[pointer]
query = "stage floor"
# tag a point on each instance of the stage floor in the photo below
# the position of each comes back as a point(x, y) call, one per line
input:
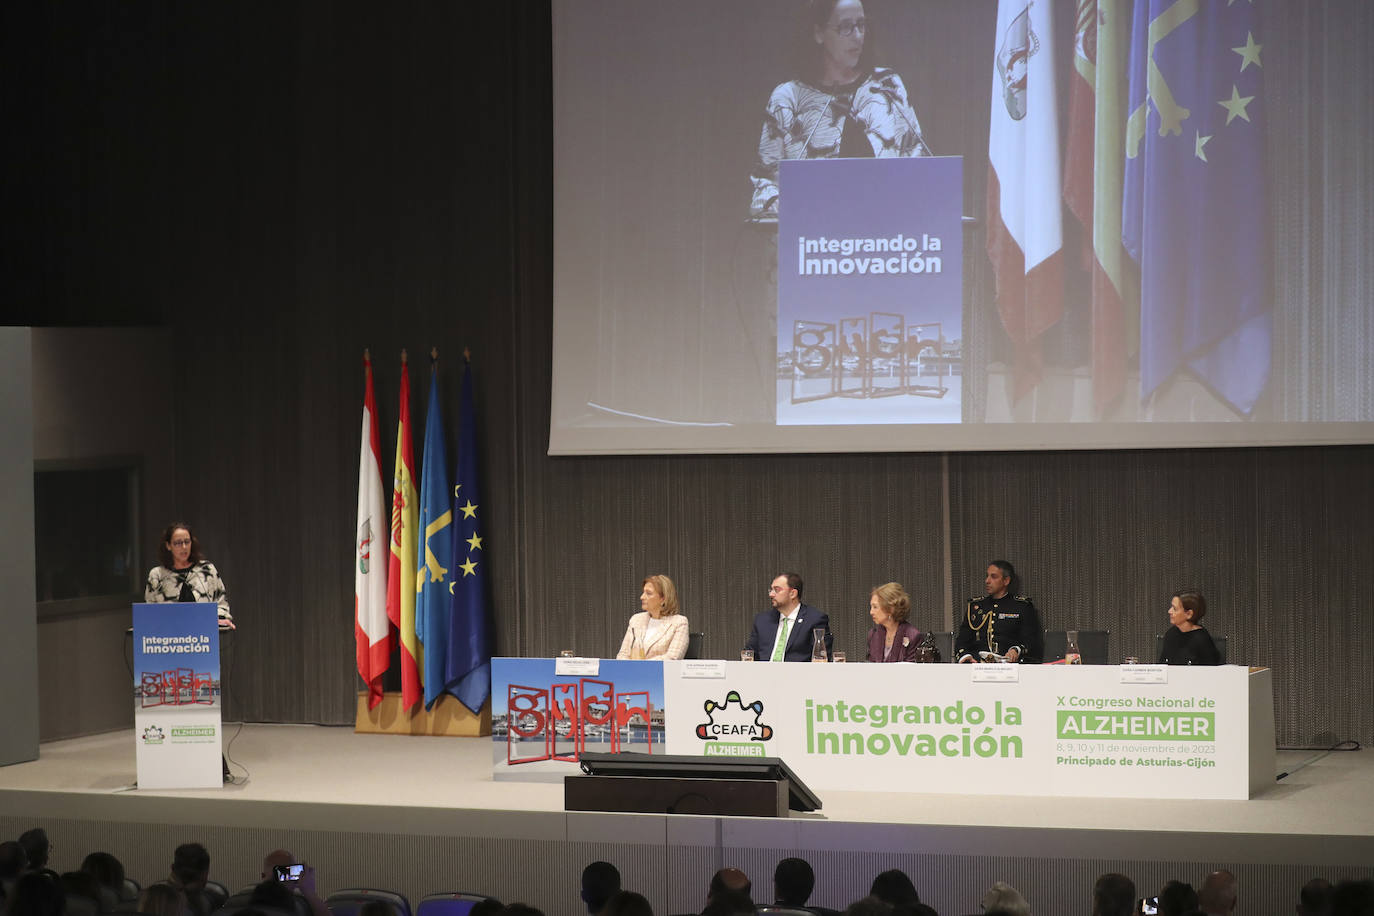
point(310, 782)
point(330, 766)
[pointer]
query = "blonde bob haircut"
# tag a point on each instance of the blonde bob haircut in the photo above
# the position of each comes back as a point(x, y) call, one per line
point(664, 586)
point(894, 600)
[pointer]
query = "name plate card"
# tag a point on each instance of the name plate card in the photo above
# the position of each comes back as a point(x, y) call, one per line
point(1144, 674)
point(577, 667)
point(702, 668)
point(996, 674)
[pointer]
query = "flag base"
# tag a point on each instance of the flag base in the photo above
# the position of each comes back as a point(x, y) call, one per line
point(447, 718)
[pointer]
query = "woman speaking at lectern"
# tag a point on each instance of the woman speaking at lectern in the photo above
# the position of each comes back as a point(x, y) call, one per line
point(185, 574)
point(658, 630)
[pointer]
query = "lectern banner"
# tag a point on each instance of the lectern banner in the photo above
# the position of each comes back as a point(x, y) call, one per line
point(870, 291)
point(177, 696)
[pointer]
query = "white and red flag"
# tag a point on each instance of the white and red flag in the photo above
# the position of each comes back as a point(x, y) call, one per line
point(370, 624)
point(1025, 225)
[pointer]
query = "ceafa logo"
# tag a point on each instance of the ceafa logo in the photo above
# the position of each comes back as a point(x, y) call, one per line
point(153, 735)
point(732, 728)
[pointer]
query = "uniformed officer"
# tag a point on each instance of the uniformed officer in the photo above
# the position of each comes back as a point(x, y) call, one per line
point(1001, 622)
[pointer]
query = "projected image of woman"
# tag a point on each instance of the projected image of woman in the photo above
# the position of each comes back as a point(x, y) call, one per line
point(841, 105)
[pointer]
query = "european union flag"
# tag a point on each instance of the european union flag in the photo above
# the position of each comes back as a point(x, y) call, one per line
point(1195, 217)
point(467, 672)
point(433, 597)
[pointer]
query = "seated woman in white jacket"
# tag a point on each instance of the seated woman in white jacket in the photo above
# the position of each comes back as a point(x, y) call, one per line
point(657, 631)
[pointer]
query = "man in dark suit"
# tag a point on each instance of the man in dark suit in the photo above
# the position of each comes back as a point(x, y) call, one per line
point(785, 633)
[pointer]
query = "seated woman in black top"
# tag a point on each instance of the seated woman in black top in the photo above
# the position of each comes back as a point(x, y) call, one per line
point(1188, 642)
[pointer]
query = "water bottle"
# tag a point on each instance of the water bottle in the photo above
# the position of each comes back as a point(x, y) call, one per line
point(1071, 656)
point(818, 653)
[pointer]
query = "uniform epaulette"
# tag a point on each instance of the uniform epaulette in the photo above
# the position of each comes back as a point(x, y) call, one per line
point(1023, 598)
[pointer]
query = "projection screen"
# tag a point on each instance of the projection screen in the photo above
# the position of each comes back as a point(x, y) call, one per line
point(935, 225)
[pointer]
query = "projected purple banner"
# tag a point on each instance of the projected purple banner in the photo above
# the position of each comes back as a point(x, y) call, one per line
point(870, 291)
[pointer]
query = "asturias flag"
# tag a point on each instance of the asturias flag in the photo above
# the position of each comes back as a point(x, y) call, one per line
point(433, 598)
point(467, 671)
point(1195, 217)
point(1025, 226)
point(400, 595)
point(370, 625)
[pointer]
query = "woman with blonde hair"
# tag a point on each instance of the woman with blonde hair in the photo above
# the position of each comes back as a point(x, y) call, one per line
point(658, 630)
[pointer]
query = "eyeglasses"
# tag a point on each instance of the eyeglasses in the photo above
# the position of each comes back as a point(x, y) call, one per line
point(184, 542)
point(847, 27)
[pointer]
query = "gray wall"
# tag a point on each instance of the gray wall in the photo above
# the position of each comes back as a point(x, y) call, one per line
point(101, 393)
point(19, 647)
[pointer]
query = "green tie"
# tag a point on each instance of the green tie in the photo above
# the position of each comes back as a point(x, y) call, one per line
point(781, 646)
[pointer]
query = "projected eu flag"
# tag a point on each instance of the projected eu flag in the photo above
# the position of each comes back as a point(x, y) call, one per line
point(1194, 216)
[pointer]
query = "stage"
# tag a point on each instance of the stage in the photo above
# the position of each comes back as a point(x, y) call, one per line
point(423, 815)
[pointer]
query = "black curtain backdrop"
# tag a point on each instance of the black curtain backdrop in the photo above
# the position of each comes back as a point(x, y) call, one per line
point(286, 184)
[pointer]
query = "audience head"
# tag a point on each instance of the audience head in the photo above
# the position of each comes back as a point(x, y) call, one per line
point(273, 859)
point(106, 869)
point(489, 907)
point(1113, 895)
point(729, 903)
point(520, 909)
point(1218, 894)
point(81, 884)
point(13, 860)
point(870, 906)
point(628, 903)
point(1315, 898)
point(1353, 898)
point(600, 882)
point(273, 893)
point(923, 909)
point(1177, 898)
point(1004, 898)
point(730, 881)
point(36, 894)
point(162, 899)
point(793, 881)
point(382, 908)
point(191, 865)
point(36, 846)
point(895, 887)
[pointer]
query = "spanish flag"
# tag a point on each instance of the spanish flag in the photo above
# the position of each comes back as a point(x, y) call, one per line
point(400, 594)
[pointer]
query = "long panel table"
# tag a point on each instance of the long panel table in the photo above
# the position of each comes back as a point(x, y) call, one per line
point(1073, 731)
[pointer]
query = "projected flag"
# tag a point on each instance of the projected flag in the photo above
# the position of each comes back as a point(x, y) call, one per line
point(1024, 210)
point(1195, 214)
point(1092, 184)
